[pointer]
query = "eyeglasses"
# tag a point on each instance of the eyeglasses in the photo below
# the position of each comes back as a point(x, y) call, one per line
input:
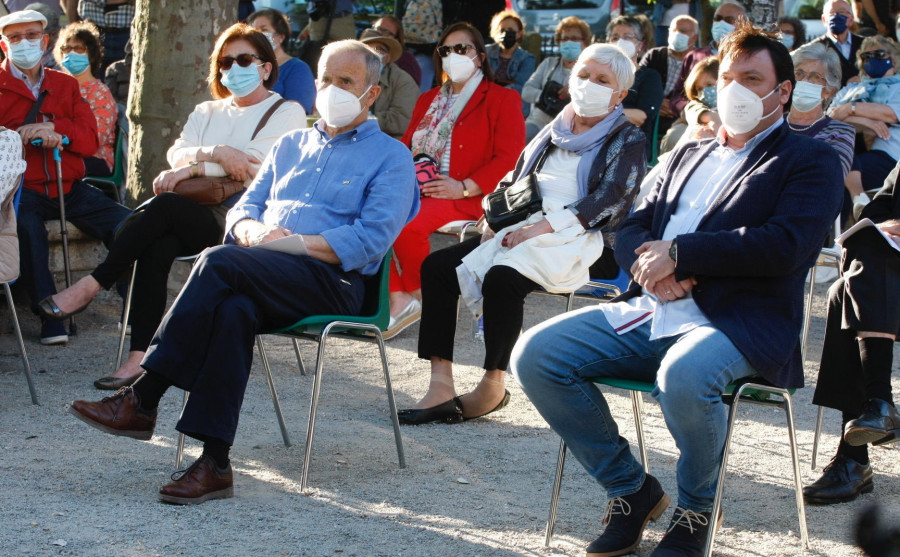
point(730, 19)
point(381, 49)
point(576, 38)
point(243, 60)
point(80, 49)
point(877, 54)
point(812, 77)
point(616, 37)
point(31, 36)
point(460, 49)
point(384, 32)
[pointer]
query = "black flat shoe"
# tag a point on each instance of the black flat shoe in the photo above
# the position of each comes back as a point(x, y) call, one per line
point(50, 310)
point(449, 412)
point(842, 480)
point(500, 406)
point(111, 383)
point(878, 424)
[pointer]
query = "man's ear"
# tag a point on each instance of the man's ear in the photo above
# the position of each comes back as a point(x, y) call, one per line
point(372, 95)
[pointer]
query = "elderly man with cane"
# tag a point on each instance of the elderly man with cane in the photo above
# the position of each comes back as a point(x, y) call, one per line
point(45, 106)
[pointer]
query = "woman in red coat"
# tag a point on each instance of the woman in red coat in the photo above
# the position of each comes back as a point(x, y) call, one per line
point(473, 130)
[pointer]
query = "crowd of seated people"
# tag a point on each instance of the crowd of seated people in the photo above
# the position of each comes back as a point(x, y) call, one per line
point(822, 118)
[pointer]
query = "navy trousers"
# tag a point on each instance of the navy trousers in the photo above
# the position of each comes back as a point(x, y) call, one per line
point(86, 207)
point(204, 344)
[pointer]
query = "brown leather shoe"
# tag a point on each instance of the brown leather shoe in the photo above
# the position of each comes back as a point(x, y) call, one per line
point(200, 482)
point(118, 414)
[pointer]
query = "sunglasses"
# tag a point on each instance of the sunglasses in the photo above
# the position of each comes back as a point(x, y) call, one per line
point(731, 20)
point(243, 60)
point(877, 54)
point(67, 49)
point(460, 49)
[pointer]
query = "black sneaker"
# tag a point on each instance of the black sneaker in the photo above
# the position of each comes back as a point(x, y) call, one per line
point(686, 536)
point(626, 517)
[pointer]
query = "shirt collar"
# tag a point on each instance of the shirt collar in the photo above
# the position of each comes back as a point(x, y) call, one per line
point(21, 75)
point(753, 141)
point(361, 131)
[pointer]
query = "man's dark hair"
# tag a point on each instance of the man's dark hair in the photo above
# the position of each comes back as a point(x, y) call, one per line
point(747, 40)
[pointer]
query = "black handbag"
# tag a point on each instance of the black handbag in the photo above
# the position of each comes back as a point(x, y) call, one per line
point(549, 101)
point(512, 203)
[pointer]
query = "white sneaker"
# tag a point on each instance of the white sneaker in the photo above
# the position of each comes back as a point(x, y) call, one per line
point(410, 314)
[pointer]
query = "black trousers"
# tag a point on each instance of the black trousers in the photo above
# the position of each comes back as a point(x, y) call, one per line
point(504, 292)
point(866, 297)
point(169, 226)
point(204, 344)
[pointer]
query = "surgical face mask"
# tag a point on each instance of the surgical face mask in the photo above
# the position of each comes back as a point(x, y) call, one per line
point(271, 37)
point(787, 40)
point(241, 81)
point(459, 68)
point(627, 46)
point(589, 99)
point(337, 106)
point(709, 96)
point(25, 54)
point(807, 96)
point(720, 29)
point(570, 50)
point(837, 23)
point(75, 63)
point(508, 39)
point(678, 41)
point(741, 109)
point(877, 68)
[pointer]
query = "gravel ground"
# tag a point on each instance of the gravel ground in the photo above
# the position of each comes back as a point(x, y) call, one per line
point(480, 488)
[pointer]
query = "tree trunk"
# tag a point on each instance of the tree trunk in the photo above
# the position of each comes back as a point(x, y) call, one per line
point(172, 42)
point(763, 13)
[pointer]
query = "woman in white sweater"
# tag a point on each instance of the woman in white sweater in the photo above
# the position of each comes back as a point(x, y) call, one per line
point(229, 136)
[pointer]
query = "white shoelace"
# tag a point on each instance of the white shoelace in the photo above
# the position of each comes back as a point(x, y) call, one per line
point(616, 505)
point(687, 518)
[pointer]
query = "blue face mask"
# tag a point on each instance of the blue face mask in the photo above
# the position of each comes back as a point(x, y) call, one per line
point(241, 81)
point(75, 63)
point(570, 50)
point(25, 54)
point(837, 23)
point(787, 41)
point(720, 29)
point(877, 68)
point(709, 95)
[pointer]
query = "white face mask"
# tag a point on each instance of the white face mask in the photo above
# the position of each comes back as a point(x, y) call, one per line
point(589, 99)
point(741, 109)
point(459, 68)
point(338, 107)
point(678, 41)
point(627, 46)
point(271, 37)
point(807, 96)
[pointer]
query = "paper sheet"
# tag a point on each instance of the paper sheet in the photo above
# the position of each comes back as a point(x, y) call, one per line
point(292, 244)
point(865, 223)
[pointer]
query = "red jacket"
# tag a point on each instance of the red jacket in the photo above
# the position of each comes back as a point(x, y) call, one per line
point(487, 138)
point(71, 116)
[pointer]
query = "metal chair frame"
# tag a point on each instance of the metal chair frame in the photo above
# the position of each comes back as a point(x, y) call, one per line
point(744, 390)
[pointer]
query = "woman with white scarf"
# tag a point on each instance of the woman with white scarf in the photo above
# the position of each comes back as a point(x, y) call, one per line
point(588, 163)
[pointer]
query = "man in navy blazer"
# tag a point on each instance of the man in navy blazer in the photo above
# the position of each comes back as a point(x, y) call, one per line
point(718, 251)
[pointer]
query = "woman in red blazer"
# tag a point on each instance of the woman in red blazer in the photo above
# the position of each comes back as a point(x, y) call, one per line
point(473, 129)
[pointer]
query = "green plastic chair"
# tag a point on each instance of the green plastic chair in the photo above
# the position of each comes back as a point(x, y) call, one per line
point(369, 326)
point(112, 185)
point(752, 390)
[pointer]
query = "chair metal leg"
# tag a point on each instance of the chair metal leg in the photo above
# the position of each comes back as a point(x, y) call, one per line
point(798, 481)
point(179, 447)
point(125, 317)
point(395, 421)
point(299, 356)
point(820, 415)
point(554, 495)
point(720, 484)
point(21, 341)
point(313, 406)
point(804, 335)
point(271, 382)
point(637, 404)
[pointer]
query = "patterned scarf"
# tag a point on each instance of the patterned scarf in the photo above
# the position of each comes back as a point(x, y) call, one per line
point(432, 135)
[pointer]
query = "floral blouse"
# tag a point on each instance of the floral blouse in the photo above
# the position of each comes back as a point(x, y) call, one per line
point(103, 105)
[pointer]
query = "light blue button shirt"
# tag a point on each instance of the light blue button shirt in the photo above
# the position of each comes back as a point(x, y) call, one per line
point(358, 190)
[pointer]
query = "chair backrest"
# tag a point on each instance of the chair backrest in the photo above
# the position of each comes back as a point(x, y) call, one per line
point(376, 301)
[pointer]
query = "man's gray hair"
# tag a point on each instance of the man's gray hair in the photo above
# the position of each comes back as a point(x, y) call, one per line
point(372, 59)
point(678, 19)
point(733, 3)
point(610, 55)
point(818, 52)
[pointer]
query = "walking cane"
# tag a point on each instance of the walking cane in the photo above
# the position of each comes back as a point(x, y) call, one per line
point(63, 229)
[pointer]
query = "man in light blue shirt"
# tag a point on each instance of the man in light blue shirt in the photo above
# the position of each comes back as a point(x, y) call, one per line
point(339, 193)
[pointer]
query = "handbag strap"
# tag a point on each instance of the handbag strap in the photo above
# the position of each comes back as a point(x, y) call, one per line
point(32, 114)
point(265, 119)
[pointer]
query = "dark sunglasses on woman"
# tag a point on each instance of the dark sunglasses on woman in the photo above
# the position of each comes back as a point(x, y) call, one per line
point(243, 60)
point(460, 49)
point(877, 54)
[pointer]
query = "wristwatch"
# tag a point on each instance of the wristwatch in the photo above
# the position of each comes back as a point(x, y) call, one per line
point(465, 189)
point(195, 169)
point(673, 251)
point(853, 108)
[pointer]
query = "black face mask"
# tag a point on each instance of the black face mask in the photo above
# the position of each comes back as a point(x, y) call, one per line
point(509, 38)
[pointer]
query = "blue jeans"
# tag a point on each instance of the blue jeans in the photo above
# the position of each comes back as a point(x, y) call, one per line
point(556, 360)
